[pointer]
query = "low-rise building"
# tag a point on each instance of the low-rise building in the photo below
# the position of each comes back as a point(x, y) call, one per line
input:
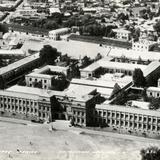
point(44, 75)
point(143, 45)
point(122, 34)
point(55, 34)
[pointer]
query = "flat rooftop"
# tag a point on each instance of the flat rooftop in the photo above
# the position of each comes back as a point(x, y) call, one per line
point(18, 63)
point(113, 65)
point(132, 110)
point(134, 55)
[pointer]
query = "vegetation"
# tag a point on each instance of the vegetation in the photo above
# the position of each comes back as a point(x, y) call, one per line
point(116, 89)
point(59, 82)
point(48, 54)
point(150, 153)
point(138, 78)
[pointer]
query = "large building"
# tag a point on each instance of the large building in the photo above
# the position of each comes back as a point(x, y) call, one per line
point(128, 119)
point(27, 103)
point(19, 68)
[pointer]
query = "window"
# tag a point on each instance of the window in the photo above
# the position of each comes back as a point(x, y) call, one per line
point(30, 79)
point(130, 124)
point(122, 115)
point(108, 114)
point(131, 117)
point(122, 123)
point(140, 118)
point(45, 81)
point(104, 113)
point(126, 116)
point(113, 121)
point(140, 125)
point(117, 115)
point(113, 114)
point(117, 122)
point(82, 120)
point(154, 128)
point(154, 120)
point(144, 126)
point(126, 123)
point(145, 119)
point(150, 93)
point(135, 124)
point(149, 126)
point(149, 119)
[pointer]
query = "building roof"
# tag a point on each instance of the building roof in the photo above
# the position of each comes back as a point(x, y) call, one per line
point(60, 30)
point(94, 83)
point(120, 30)
point(132, 110)
point(134, 55)
point(113, 65)
point(36, 75)
point(19, 63)
point(51, 68)
point(12, 52)
point(151, 68)
point(32, 91)
point(154, 89)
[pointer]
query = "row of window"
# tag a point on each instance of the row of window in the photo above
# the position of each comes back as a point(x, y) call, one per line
point(140, 46)
point(128, 124)
point(78, 113)
point(36, 80)
point(127, 116)
point(151, 94)
point(20, 101)
point(79, 120)
point(16, 108)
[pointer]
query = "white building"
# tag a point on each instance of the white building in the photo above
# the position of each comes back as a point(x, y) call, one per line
point(142, 45)
point(55, 34)
point(122, 34)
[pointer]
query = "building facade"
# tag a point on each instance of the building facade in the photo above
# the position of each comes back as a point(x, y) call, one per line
point(55, 34)
point(122, 34)
point(44, 76)
point(128, 120)
point(19, 102)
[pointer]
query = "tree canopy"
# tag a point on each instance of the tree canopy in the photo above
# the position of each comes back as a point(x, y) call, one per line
point(150, 153)
point(48, 54)
point(138, 78)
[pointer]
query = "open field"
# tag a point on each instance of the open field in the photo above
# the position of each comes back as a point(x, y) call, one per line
point(36, 142)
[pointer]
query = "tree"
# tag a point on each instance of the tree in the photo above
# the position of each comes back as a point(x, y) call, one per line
point(150, 153)
point(138, 78)
point(37, 84)
point(98, 57)
point(86, 61)
point(116, 89)
point(48, 54)
point(157, 27)
point(154, 103)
